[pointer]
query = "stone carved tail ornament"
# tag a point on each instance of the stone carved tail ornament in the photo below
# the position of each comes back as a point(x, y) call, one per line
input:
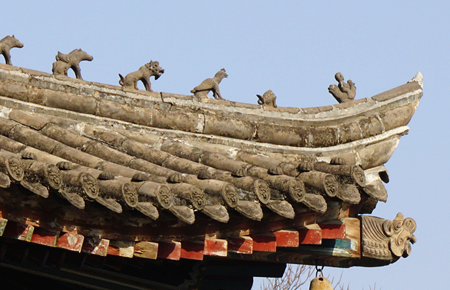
point(387, 240)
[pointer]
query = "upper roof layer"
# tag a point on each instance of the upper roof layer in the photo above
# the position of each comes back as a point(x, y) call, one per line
point(123, 164)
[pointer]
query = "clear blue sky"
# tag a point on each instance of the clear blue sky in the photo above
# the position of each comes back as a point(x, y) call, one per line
point(294, 49)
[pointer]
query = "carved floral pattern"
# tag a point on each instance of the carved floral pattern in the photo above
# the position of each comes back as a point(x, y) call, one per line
point(198, 198)
point(230, 195)
point(358, 175)
point(130, 194)
point(89, 185)
point(165, 198)
point(54, 177)
point(15, 168)
point(262, 190)
point(330, 185)
point(296, 190)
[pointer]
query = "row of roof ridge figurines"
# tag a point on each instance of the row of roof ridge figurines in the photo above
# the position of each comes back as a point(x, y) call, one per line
point(343, 92)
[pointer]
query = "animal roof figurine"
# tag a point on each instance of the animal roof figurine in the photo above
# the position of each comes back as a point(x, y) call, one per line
point(6, 44)
point(71, 60)
point(343, 92)
point(210, 84)
point(268, 98)
point(143, 74)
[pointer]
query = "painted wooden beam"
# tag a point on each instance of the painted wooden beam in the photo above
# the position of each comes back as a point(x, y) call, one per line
point(3, 223)
point(264, 243)
point(346, 244)
point(310, 235)
point(95, 246)
point(18, 231)
point(121, 248)
point(342, 252)
point(45, 237)
point(170, 250)
point(333, 230)
point(146, 250)
point(353, 232)
point(240, 245)
point(216, 247)
point(192, 250)
point(71, 242)
point(285, 238)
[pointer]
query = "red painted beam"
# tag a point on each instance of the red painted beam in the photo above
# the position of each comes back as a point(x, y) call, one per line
point(71, 242)
point(216, 247)
point(264, 243)
point(18, 231)
point(95, 246)
point(121, 248)
point(240, 245)
point(45, 237)
point(170, 250)
point(285, 238)
point(310, 235)
point(192, 250)
point(333, 230)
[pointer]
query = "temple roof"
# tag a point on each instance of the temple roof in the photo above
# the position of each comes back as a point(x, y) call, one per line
point(125, 169)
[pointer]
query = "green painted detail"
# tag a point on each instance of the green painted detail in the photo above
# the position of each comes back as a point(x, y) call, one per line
point(55, 241)
point(3, 223)
point(29, 234)
point(346, 244)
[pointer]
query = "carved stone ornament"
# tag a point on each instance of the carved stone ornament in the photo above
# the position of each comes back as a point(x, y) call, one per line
point(6, 44)
point(201, 91)
point(71, 60)
point(143, 74)
point(388, 240)
point(343, 92)
point(268, 99)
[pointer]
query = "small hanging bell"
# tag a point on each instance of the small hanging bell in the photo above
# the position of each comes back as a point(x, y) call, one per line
point(320, 283)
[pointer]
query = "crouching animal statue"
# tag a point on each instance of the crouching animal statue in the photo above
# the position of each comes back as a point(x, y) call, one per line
point(71, 60)
point(343, 92)
point(6, 43)
point(210, 84)
point(142, 74)
point(268, 99)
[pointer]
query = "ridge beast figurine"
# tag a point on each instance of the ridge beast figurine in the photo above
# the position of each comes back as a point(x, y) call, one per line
point(71, 60)
point(268, 98)
point(343, 92)
point(210, 84)
point(6, 43)
point(142, 74)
